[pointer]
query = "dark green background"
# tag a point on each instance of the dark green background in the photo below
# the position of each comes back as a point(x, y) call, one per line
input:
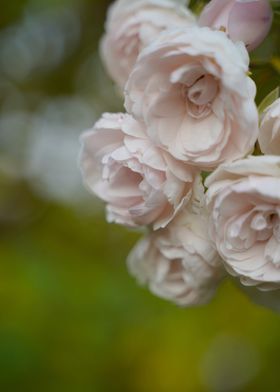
point(71, 318)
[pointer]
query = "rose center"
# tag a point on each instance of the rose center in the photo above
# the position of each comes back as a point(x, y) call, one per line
point(200, 96)
point(266, 225)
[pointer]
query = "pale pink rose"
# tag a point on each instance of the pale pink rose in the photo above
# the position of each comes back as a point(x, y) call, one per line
point(141, 184)
point(133, 24)
point(244, 201)
point(243, 20)
point(179, 263)
point(191, 89)
point(269, 136)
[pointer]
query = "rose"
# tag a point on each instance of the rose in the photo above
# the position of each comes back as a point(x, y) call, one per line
point(141, 184)
point(243, 20)
point(179, 263)
point(244, 200)
point(132, 25)
point(269, 136)
point(191, 89)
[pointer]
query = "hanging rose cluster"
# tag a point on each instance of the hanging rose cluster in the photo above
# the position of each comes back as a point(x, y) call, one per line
point(181, 161)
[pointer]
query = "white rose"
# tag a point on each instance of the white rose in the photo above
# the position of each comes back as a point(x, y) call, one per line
point(179, 263)
point(133, 24)
point(269, 136)
point(244, 201)
point(141, 184)
point(191, 88)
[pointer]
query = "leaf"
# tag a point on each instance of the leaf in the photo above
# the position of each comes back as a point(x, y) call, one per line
point(276, 63)
point(276, 17)
point(268, 100)
point(197, 6)
point(204, 176)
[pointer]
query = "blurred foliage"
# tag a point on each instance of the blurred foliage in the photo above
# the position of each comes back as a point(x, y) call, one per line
point(71, 318)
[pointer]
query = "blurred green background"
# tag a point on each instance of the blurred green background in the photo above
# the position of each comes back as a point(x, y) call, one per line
point(71, 318)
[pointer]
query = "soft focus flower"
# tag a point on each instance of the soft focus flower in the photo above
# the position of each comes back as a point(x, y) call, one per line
point(269, 136)
point(191, 89)
point(141, 184)
point(244, 201)
point(179, 263)
point(132, 25)
point(243, 20)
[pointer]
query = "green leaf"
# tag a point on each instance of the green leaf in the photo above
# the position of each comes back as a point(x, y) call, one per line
point(204, 176)
point(275, 62)
point(197, 6)
point(268, 100)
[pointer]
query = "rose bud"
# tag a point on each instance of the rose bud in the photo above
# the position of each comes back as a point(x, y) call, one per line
point(243, 20)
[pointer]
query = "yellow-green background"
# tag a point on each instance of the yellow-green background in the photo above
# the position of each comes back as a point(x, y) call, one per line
point(71, 318)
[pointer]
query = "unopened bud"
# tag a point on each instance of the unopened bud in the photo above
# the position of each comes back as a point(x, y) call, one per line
point(243, 20)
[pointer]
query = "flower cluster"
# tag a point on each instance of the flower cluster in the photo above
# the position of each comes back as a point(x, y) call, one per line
point(190, 115)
